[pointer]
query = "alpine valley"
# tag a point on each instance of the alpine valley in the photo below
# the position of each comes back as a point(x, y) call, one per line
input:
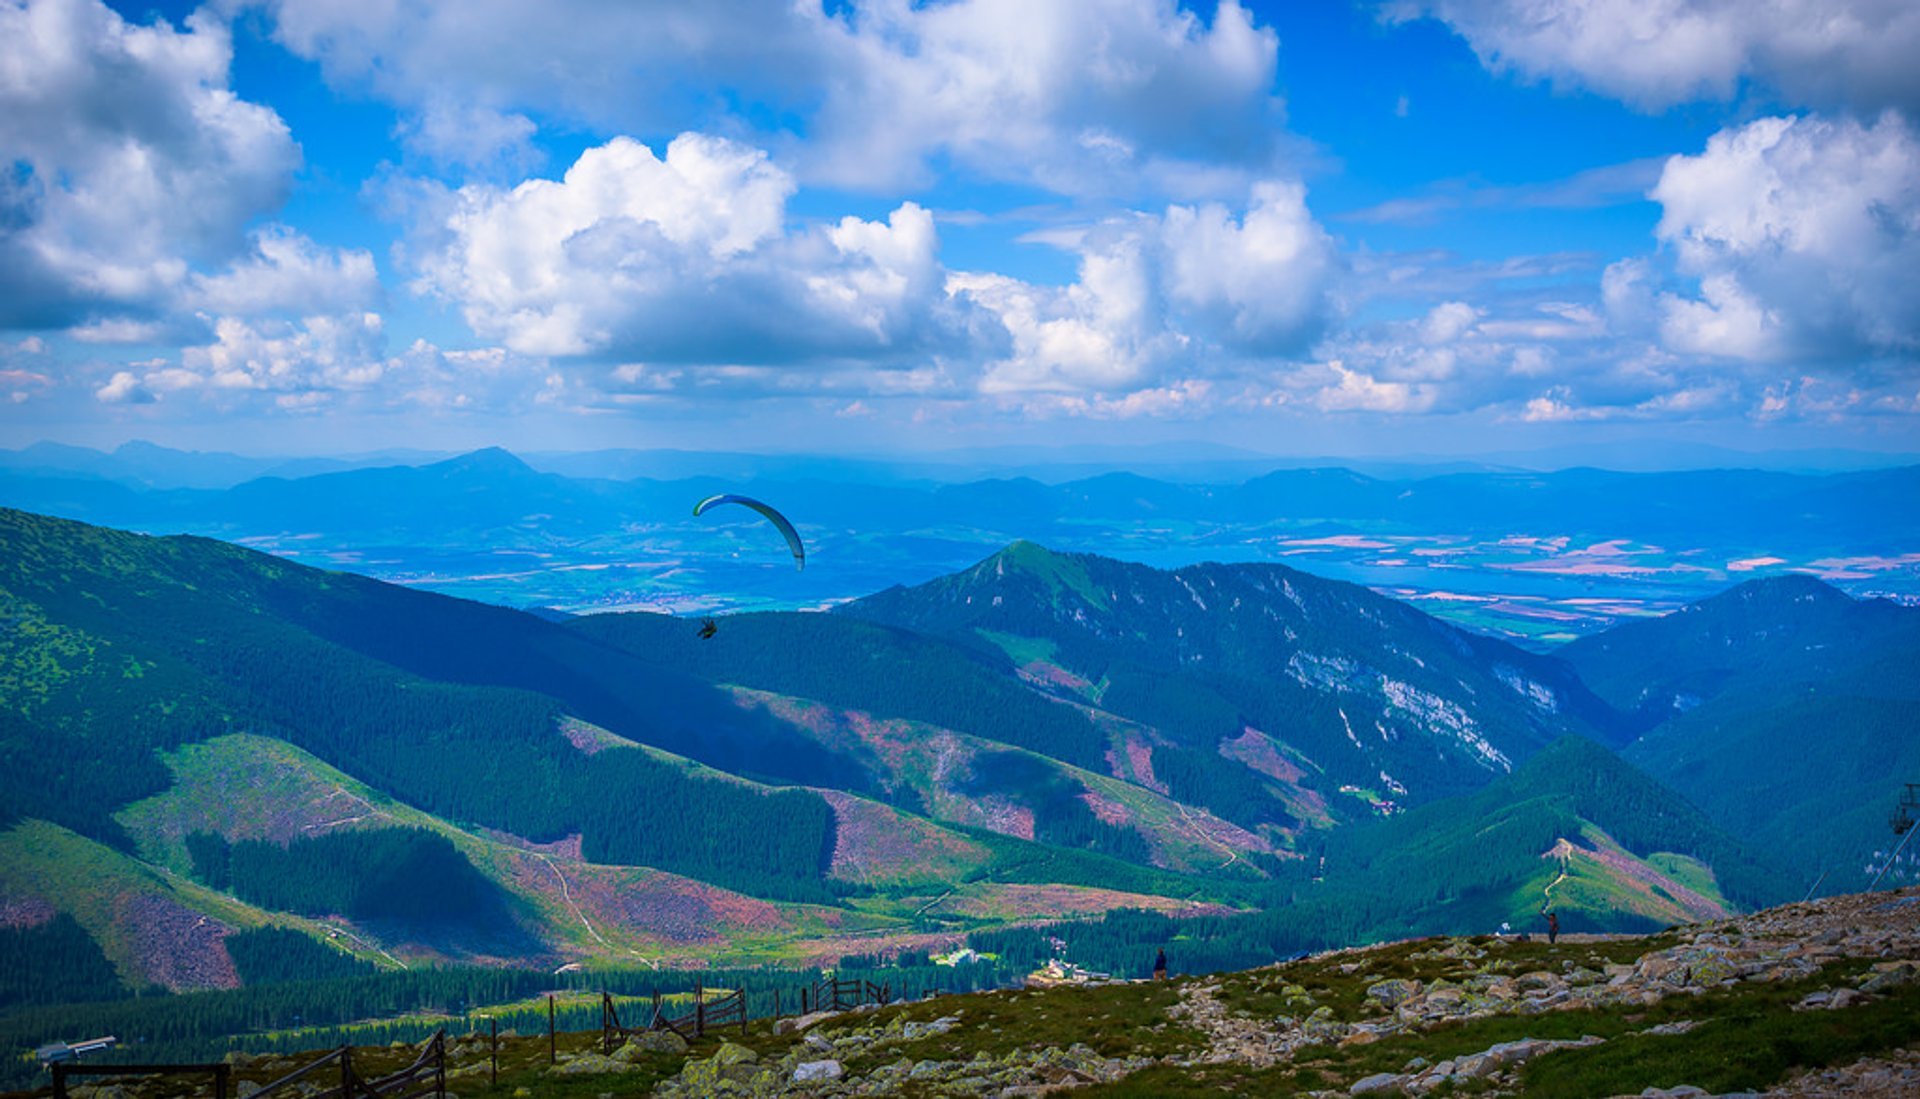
point(281, 799)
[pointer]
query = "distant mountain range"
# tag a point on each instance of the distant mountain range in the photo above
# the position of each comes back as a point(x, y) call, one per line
point(151, 465)
point(196, 738)
point(1536, 557)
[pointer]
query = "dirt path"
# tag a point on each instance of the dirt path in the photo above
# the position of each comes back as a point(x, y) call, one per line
point(566, 894)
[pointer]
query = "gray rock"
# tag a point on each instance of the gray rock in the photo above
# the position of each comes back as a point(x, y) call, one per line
point(654, 1041)
point(589, 1064)
point(1393, 993)
point(1377, 1084)
point(809, 1071)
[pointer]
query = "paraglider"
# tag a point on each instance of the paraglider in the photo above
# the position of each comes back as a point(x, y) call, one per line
point(708, 627)
point(774, 517)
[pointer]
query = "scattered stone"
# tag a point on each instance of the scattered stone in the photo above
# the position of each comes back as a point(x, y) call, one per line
point(658, 1041)
point(589, 1064)
point(1393, 993)
point(810, 1071)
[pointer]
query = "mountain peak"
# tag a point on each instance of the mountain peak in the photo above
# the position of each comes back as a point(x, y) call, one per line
point(490, 460)
point(1792, 587)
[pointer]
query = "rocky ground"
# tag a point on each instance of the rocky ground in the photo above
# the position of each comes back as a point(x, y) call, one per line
point(1803, 1001)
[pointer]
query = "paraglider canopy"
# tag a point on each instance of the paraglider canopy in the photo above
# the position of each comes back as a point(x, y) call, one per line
point(774, 517)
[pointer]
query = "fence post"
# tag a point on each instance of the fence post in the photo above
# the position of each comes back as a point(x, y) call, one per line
point(493, 1054)
point(743, 1010)
point(776, 1005)
point(553, 1051)
point(59, 1082)
point(346, 1072)
point(699, 1010)
point(440, 1065)
point(220, 1081)
point(804, 1009)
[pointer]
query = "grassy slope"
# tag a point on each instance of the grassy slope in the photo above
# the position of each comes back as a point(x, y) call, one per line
point(115, 897)
point(933, 764)
point(250, 787)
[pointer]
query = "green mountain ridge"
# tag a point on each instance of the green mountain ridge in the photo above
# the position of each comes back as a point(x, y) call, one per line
point(1784, 708)
point(1040, 736)
point(1369, 689)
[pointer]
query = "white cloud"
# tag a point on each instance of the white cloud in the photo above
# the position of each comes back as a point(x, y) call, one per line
point(1261, 282)
point(317, 354)
point(1804, 235)
point(330, 363)
point(687, 258)
point(123, 388)
point(1353, 391)
point(132, 159)
point(1656, 53)
point(285, 271)
point(1076, 95)
point(1159, 297)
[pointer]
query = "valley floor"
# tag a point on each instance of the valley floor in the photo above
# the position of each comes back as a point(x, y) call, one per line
point(1807, 1000)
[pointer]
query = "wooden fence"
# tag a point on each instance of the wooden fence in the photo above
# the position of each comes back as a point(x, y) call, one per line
point(712, 1009)
point(833, 994)
point(427, 1075)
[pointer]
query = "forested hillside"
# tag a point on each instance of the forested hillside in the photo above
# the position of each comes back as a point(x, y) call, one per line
point(1785, 709)
point(207, 750)
point(1372, 692)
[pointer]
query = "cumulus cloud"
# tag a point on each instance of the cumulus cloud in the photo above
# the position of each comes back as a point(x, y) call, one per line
point(687, 258)
point(131, 160)
point(123, 388)
point(1656, 53)
point(1077, 95)
point(330, 363)
point(1803, 234)
point(1159, 297)
point(285, 271)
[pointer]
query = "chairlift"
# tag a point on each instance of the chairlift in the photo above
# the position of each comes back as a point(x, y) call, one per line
point(1907, 811)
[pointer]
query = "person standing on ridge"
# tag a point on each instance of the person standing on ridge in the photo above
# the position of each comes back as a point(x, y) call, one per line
point(1553, 927)
point(1160, 966)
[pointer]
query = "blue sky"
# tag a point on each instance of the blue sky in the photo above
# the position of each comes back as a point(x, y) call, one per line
point(1330, 228)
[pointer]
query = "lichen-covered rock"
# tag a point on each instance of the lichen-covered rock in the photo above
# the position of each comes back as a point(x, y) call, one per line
point(807, 1072)
point(588, 1064)
point(1392, 993)
point(653, 1041)
point(1380, 1083)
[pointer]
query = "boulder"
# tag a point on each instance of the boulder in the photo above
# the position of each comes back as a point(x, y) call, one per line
point(1378, 1084)
point(800, 1022)
point(652, 1041)
point(588, 1064)
point(1392, 993)
point(730, 1054)
point(810, 1071)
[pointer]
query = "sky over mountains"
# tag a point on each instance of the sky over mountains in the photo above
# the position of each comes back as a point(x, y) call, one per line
point(1348, 228)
